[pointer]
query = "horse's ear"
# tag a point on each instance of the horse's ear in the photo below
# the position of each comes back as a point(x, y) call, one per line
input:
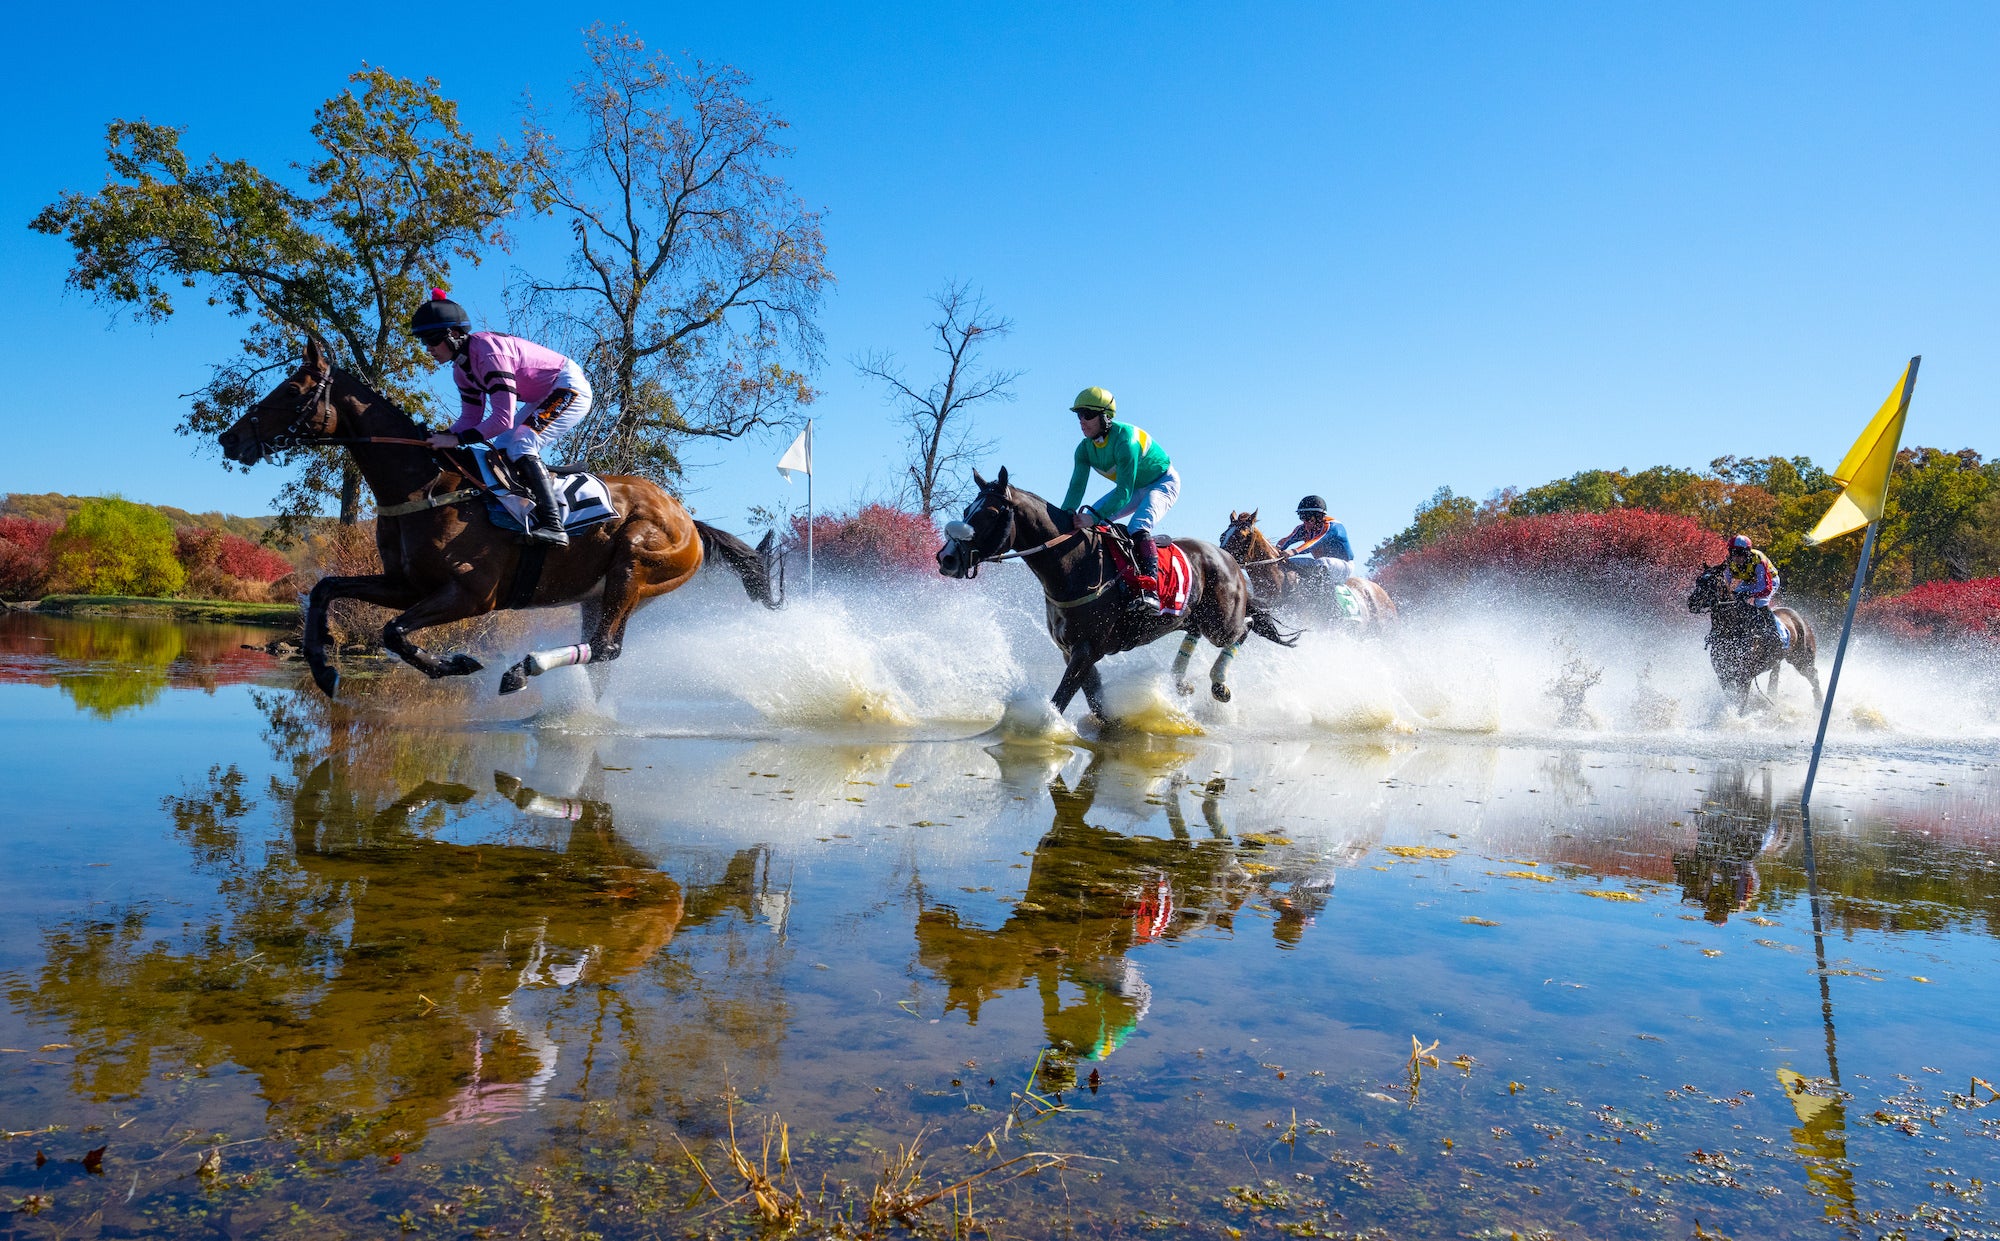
point(978, 481)
point(1000, 480)
point(315, 355)
point(1251, 516)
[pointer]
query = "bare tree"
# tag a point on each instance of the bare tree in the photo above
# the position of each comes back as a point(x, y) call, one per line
point(939, 420)
point(691, 292)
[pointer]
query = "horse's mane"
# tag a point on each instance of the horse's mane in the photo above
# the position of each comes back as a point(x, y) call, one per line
point(379, 399)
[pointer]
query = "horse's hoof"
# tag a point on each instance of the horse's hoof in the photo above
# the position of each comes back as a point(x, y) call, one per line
point(515, 680)
point(328, 679)
point(461, 665)
point(1220, 691)
point(1185, 687)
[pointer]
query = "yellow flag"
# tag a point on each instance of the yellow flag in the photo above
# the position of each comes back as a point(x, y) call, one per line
point(1865, 468)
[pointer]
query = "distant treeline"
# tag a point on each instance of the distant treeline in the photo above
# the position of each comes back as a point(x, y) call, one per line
point(1942, 522)
point(1638, 535)
point(104, 545)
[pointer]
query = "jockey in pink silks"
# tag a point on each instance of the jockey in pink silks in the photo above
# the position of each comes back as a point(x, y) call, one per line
point(514, 394)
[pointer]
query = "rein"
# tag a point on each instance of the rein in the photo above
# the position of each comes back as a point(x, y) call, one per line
point(1040, 547)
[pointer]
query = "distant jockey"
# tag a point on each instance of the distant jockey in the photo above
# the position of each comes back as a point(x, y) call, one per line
point(1318, 545)
point(1144, 482)
point(535, 394)
point(1753, 578)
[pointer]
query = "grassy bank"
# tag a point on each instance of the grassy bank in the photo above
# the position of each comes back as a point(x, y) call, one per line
point(218, 611)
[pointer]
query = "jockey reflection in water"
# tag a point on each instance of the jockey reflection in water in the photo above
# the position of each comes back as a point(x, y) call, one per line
point(535, 394)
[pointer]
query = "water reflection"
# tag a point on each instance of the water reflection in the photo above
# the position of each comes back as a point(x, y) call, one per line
point(375, 979)
point(1094, 896)
point(1739, 821)
point(109, 667)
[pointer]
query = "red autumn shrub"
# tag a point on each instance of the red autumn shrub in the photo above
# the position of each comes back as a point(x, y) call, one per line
point(227, 566)
point(1630, 557)
point(24, 556)
point(1940, 611)
point(874, 539)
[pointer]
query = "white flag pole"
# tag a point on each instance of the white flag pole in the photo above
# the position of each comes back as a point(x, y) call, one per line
point(1839, 654)
point(809, 508)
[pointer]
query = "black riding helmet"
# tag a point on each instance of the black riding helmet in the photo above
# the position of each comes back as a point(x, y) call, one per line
point(1312, 504)
point(439, 317)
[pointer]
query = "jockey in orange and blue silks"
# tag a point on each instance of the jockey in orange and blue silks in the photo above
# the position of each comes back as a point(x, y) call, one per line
point(1753, 578)
point(1318, 544)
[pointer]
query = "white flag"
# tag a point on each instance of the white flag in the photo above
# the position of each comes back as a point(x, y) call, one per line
point(799, 456)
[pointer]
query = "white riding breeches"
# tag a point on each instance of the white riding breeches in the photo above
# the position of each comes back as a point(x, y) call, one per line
point(549, 417)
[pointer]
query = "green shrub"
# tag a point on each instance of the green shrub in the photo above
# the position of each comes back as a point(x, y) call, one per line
point(111, 546)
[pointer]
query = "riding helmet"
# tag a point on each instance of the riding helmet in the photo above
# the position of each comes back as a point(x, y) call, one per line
point(440, 314)
point(1095, 400)
point(1740, 543)
point(1312, 504)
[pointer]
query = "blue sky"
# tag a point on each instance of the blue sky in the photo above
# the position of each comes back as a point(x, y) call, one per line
point(1363, 250)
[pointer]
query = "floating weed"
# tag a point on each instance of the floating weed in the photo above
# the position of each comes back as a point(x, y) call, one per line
point(1612, 894)
point(1474, 920)
point(1523, 874)
point(1419, 851)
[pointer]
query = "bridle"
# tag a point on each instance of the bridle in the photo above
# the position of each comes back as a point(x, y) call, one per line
point(952, 531)
point(315, 405)
point(1243, 528)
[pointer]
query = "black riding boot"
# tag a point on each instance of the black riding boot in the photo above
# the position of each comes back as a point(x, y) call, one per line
point(547, 524)
point(1146, 559)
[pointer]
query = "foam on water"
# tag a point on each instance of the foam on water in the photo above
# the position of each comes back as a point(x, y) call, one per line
point(941, 658)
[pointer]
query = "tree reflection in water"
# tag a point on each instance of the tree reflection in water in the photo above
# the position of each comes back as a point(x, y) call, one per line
point(378, 980)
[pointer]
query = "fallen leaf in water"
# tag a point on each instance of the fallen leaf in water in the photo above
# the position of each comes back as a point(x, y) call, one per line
point(1711, 952)
point(1611, 894)
point(1473, 920)
point(1918, 978)
point(1763, 921)
point(899, 786)
point(93, 1160)
point(211, 1163)
point(57, 1046)
point(1523, 874)
point(1419, 851)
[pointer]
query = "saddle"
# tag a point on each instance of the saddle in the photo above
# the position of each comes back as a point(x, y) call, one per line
point(1174, 576)
point(582, 500)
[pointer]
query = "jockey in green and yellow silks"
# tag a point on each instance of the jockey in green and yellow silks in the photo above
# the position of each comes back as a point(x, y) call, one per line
point(1144, 483)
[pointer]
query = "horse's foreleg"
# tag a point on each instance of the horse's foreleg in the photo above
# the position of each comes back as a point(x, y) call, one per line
point(1181, 658)
point(1218, 675)
point(1082, 662)
point(317, 635)
point(449, 603)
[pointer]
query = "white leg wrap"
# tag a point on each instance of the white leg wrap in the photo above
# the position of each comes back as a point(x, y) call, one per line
point(562, 657)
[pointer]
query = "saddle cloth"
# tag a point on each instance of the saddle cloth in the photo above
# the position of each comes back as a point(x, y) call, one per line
point(582, 499)
point(1174, 577)
point(1347, 602)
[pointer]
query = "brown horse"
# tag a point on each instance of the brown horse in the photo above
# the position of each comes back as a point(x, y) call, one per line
point(1743, 643)
point(443, 558)
point(1284, 585)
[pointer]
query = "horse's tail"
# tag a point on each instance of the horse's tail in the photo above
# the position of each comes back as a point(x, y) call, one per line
point(1265, 625)
point(752, 564)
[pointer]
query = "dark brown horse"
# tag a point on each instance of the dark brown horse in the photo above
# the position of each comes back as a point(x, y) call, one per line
point(443, 558)
point(1279, 584)
point(1743, 645)
point(1091, 613)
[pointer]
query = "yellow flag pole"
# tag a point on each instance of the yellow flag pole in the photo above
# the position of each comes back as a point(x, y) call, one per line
point(1847, 625)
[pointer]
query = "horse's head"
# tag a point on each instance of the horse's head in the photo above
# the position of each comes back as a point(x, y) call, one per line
point(297, 411)
point(1709, 589)
point(1238, 535)
point(986, 530)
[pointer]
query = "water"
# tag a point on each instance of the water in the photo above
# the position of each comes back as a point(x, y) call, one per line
point(441, 963)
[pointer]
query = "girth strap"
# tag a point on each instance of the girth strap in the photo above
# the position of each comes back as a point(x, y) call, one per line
point(421, 503)
point(527, 575)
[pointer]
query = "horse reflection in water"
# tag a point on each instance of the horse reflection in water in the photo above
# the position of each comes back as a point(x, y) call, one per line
point(1736, 825)
point(1094, 895)
point(467, 932)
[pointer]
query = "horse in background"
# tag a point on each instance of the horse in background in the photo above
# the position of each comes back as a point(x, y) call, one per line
point(1280, 584)
point(1742, 647)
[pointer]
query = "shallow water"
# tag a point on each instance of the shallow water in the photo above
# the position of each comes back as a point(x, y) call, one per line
point(460, 964)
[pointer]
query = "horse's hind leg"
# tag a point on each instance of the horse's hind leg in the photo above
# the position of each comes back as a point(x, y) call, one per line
point(1082, 666)
point(1181, 658)
point(1218, 674)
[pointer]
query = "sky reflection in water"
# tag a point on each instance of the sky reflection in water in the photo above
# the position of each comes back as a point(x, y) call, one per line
point(413, 961)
